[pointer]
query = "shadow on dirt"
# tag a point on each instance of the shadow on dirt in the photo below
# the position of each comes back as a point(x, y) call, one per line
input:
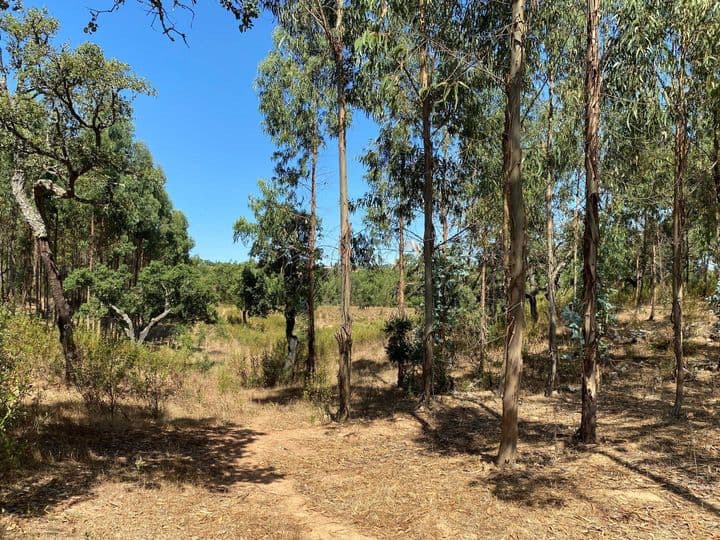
point(69, 459)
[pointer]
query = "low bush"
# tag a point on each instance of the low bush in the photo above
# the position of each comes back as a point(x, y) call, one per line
point(113, 372)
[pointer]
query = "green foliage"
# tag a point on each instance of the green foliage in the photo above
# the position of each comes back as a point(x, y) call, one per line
point(279, 238)
point(185, 290)
point(404, 350)
point(114, 373)
point(15, 370)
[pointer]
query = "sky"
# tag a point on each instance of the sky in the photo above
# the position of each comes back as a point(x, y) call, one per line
point(203, 126)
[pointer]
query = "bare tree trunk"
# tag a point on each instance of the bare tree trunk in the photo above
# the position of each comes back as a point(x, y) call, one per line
point(716, 179)
point(344, 333)
point(514, 217)
point(681, 151)
point(654, 274)
point(591, 236)
point(483, 311)
point(401, 267)
point(292, 343)
point(576, 237)
point(636, 295)
point(311, 355)
point(429, 233)
point(550, 247)
point(32, 212)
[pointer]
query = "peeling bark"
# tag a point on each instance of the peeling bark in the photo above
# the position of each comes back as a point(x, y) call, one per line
point(514, 218)
point(32, 212)
point(591, 237)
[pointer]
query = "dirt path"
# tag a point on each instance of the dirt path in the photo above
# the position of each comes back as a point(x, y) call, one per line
point(271, 467)
point(316, 525)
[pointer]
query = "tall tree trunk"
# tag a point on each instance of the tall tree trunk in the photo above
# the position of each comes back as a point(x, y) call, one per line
point(483, 312)
point(401, 267)
point(311, 355)
point(716, 180)
point(636, 299)
point(514, 218)
point(576, 236)
point(591, 236)
point(681, 152)
point(429, 233)
point(33, 214)
point(292, 343)
point(654, 273)
point(550, 247)
point(344, 333)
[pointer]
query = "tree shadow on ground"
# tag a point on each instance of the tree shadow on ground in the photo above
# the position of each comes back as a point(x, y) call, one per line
point(473, 428)
point(69, 459)
point(285, 395)
point(532, 488)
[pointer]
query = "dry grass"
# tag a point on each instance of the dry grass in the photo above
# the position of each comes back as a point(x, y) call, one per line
point(266, 463)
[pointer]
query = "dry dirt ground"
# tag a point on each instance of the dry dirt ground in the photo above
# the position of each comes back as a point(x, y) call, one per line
point(267, 464)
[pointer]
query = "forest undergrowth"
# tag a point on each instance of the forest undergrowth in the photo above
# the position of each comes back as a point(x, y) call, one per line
point(226, 460)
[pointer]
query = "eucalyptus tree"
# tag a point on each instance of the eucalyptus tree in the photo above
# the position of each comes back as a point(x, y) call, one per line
point(389, 204)
point(296, 93)
point(335, 23)
point(554, 56)
point(677, 40)
point(56, 107)
point(514, 234)
point(279, 239)
point(410, 69)
point(591, 235)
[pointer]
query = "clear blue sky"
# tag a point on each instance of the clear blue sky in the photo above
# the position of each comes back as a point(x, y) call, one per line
point(203, 127)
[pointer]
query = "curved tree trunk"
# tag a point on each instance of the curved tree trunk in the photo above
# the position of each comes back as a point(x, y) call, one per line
point(514, 218)
point(33, 214)
point(591, 236)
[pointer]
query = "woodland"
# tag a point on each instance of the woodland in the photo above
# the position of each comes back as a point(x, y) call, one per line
point(522, 340)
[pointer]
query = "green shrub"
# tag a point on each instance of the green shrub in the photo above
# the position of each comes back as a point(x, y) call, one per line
point(272, 363)
point(317, 389)
point(103, 373)
point(115, 371)
point(155, 375)
point(403, 349)
point(14, 386)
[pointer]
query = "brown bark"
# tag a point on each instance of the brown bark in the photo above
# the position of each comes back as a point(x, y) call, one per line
point(292, 343)
point(681, 152)
point(654, 274)
point(576, 237)
point(483, 311)
point(344, 333)
point(401, 267)
point(550, 246)
point(429, 233)
point(32, 212)
point(311, 355)
point(591, 237)
point(640, 269)
point(514, 218)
